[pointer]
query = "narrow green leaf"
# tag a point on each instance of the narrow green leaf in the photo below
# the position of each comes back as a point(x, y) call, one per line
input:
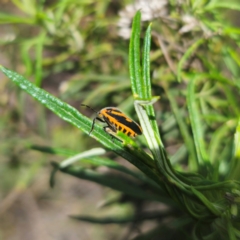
point(230, 230)
point(146, 86)
point(82, 155)
point(196, 123)
point(97, 161)
point(222, 4)
point(27, 47)
point(105, 220)
point(39, 52)
point(146, 90)
point(234, 55)
point(237, 141)
point(184, 131)
point(53, 173)
point(186, 55)
point(235, 163)
point(206, 202)
point(50, 150)
point(230, 30)
point(230, 62)
point(126, 219)
point(7, 18)
point(215, 145)
point(134, 56)
point(119, 183)
point(60, 108)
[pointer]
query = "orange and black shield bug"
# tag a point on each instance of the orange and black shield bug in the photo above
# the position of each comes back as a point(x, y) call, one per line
point(116, 121)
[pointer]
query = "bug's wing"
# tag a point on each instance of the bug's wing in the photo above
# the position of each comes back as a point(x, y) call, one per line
point(125, 122)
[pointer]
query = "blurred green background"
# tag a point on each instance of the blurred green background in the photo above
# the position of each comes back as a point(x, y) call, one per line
point(78, 51)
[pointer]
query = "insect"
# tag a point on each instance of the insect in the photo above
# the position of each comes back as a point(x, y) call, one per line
point(116, 121)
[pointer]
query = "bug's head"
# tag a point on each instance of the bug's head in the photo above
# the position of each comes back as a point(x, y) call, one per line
point(98, 117)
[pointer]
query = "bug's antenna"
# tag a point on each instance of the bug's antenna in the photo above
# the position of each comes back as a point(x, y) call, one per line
point(89, 108)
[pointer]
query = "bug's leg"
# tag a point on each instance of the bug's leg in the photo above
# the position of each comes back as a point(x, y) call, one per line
point(93, 123)
point(108, 130)
point(111, 132)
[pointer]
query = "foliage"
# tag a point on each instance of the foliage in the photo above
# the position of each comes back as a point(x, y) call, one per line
point(201, 178)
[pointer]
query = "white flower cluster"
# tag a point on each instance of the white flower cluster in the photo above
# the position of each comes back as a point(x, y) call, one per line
point(150, 9)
